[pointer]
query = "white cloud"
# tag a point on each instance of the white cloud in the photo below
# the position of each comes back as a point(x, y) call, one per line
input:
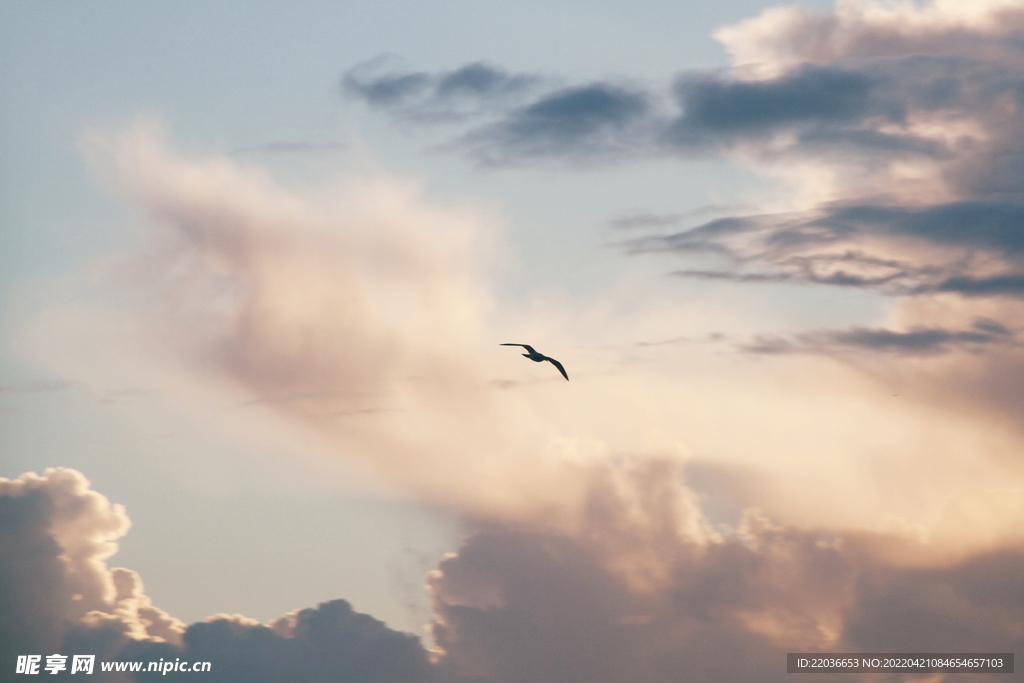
point(58, 535)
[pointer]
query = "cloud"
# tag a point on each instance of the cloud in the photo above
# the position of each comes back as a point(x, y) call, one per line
point(783, 38)
point(328, 643)
point(57, 594)
point(513, 119)
point(1008, 285)
point(898, 250)
point(355, 317)
point(641, 587)
point(644, 591)
point(468, 92)
point(717, 109)
point(56, 589)
point(356, 321)
point(915, 341)
point(924, 87)
point(646, 219)
point(925, 109)
point(898, 128)
point(583, 123)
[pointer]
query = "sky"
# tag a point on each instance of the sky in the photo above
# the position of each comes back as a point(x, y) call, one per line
point(257, 262)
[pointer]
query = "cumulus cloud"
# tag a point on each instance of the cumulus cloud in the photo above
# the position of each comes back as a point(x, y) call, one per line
point(641, 587)
point(55, 586)
point(58, 595)
point(783, 38)
point(644, 590)
point(328, 643)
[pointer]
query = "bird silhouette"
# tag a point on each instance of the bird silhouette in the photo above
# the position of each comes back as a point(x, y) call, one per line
point(539, 357)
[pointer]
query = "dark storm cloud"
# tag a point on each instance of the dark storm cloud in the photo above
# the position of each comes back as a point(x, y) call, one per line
point(916, 341)
point(596, 120)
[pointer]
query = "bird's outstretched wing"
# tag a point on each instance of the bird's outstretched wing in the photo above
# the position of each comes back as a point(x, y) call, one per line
point(525, 346)
point(559, 366)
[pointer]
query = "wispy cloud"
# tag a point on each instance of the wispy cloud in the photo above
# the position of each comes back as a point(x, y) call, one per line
point(896, 249)
point(588, 122)
point(917, 341)
point(465, 93)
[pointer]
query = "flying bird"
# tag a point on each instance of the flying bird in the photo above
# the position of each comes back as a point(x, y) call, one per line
point(538, 357)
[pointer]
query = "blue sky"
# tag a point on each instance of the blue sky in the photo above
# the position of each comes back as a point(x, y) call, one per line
point(257, 260)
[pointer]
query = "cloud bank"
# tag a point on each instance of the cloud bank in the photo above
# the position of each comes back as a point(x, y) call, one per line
point(646, 593)
point(644, 589)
